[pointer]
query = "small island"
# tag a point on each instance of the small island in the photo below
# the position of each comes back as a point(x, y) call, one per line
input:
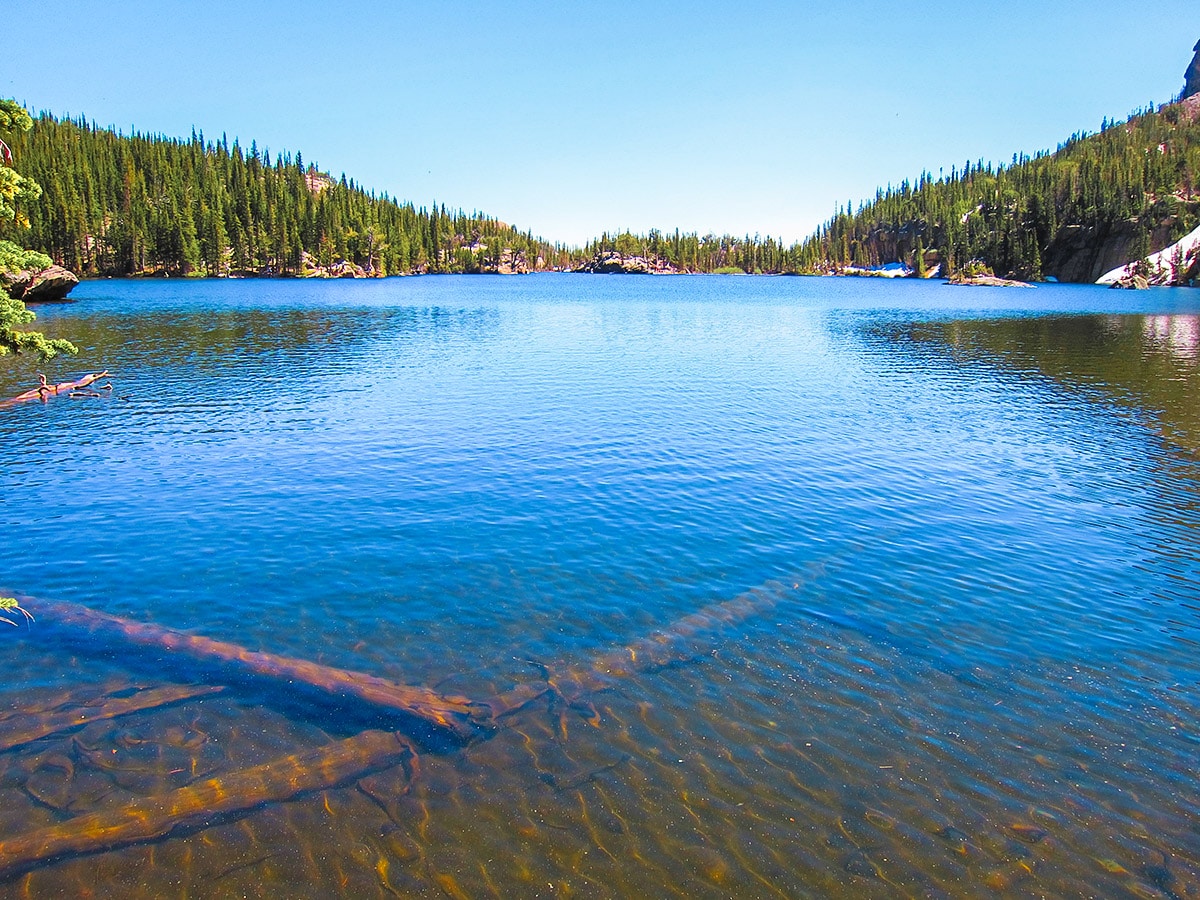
point(985, 280)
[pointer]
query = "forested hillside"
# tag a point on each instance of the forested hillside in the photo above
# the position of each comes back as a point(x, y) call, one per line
point(1099, 201)
point(145, 204)
point(142, 204)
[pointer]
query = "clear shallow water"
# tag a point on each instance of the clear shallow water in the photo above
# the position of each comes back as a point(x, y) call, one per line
point(984, 678)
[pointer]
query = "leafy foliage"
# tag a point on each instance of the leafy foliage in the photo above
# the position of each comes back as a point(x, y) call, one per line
point(15, 259)
point(15, 192)
point(11, 604)
point(13, 313)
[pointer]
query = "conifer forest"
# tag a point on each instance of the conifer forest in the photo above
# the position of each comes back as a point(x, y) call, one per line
point(120, 205)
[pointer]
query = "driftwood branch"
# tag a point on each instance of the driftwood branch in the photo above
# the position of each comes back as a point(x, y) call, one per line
point(32, 727)
point(44, 391)
point(457, 714)
point(196, 805)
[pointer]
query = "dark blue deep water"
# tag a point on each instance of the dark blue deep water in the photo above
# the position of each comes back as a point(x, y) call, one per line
point(969, 517)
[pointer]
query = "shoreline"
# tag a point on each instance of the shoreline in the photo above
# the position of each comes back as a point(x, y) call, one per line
point(548, 272)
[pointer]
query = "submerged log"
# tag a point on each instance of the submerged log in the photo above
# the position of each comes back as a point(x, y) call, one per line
point(200, 804)
point(32, 727)
point(36, 703)
point(676, 643)
point(457, 714)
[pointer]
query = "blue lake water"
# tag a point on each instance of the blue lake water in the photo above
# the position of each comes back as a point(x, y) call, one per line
point(972, 514)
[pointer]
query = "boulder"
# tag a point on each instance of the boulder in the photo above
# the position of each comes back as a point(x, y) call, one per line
point(1132, 282)
point(43, 286)
point(339, 269)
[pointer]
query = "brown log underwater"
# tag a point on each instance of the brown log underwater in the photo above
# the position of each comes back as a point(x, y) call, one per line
point(678, 642)
point(196, 805)
point(17, 731)
point(456, 714)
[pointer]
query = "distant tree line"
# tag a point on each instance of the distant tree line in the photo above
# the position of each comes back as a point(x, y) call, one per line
point(704, 254)
point(1140, 176)
point(142, 204)
point(139, 204)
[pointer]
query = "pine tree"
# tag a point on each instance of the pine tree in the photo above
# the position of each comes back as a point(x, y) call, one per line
point(16, 190)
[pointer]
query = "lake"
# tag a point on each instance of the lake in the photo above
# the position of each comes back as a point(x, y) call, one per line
point(769, 587)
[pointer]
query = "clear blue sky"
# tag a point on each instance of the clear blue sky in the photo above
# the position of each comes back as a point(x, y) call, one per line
point(572, 118)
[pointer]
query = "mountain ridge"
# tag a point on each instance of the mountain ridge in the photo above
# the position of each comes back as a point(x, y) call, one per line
point(151, 205)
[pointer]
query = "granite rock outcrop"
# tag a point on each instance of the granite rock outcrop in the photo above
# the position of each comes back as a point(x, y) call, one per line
point(1191, 78)
point(47, 285)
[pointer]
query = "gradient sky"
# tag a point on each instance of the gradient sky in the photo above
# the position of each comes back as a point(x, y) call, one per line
point(569, 119)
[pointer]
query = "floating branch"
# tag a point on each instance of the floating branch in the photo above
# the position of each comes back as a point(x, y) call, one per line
point(32, 727)
point(457, 714)
point(202, 803)
point(7, 603)
point(45, 390)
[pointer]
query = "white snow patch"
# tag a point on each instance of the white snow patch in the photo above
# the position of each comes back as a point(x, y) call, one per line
point(891, 270)
point(1160, 262)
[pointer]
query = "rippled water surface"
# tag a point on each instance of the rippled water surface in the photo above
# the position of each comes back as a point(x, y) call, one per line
point(770, 587)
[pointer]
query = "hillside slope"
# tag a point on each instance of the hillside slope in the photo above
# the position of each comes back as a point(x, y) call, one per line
point(144, 204)
point(1098, 202)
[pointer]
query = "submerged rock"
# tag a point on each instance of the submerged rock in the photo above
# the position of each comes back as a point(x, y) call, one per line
point(42, 286)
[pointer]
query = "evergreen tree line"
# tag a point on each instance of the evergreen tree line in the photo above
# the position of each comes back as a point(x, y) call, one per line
point(1138, 181)
point(141, 204)
point(1136, 178)
point(703, 254)
point(144, 204)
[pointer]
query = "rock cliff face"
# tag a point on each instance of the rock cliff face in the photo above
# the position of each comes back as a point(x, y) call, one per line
point(47, 285)
point(1177, 264)
point(1191, 83)
point(1079, 254)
